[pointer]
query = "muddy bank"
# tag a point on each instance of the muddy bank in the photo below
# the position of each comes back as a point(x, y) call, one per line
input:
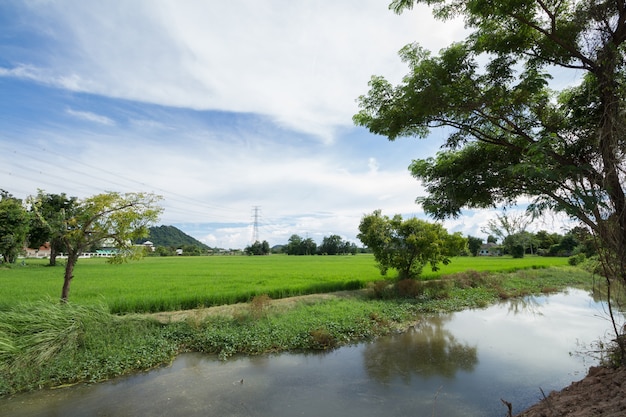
point(601, 393)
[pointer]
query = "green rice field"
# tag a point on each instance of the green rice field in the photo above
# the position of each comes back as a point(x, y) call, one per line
point(173, 283)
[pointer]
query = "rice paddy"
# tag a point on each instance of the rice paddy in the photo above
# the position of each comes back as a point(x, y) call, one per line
point(173, 283)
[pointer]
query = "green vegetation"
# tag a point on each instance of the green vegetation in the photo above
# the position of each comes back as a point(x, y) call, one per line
point(408, 245)
point(45, 343)
point(176, 283)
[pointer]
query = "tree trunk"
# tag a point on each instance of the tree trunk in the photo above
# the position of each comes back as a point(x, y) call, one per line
point(53, 255)
point(69, 274)
point(613, 230)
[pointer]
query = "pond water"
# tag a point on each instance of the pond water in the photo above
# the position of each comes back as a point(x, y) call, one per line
point(458, 364)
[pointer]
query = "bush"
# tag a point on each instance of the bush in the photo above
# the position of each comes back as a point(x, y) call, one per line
point(409, 288)
point(380, 290)
point(576, 259)
point(322, 339)
point(517, 251)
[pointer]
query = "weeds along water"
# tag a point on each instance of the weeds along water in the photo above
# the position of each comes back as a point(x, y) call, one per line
point(46, 344)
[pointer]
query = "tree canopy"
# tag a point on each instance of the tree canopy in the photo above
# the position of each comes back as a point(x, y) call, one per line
point(258, 248)
point(408, 245)
point(49, 212)
point(14, 223)
point(299, 246)
point(511, 135)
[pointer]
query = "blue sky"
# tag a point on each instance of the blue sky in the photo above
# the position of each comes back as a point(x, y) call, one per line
point(219, 107)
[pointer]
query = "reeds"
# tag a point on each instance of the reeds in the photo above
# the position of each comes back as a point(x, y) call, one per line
point(35, 333)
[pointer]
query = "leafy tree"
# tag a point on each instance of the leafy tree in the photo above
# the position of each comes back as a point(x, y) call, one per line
point(585, 241)
point(165, 251)
point(474, 244)
point(191, 250)
point(350, 247)
point(47, 222)
point(408, 245)
point(294, 245)
point(331, 245)
point(546, 239)
point(117, 218)
point(512, 136)
point(258, 248)
point(298, 246)
point(14, 223)
point(335, 245)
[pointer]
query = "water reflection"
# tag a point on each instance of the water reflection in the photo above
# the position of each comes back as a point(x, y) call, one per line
point(450, 365)
point(526, 305)
point(425, 350)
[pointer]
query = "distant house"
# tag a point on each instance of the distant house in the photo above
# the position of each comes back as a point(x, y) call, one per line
point(149, 245)
point(41, 252)
point(489, 249)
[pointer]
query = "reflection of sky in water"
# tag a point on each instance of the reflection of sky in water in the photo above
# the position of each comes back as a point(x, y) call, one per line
point(451, 365)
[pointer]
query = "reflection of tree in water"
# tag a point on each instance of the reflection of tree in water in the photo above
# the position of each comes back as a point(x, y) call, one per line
point(528, 305)
point(427, 350)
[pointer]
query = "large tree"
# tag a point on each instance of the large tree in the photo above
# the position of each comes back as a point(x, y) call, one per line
point(408, 245)
point(511, 135)
point(14, 223)
point(112, 218)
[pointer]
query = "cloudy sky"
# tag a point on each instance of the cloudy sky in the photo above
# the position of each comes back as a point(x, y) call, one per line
point(218, 106)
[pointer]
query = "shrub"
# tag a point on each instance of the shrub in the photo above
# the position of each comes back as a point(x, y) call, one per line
point(474, 279)
point(409, 288)
point(322, 339)
point(380, 290)
point(258, 305)
point(576, 259)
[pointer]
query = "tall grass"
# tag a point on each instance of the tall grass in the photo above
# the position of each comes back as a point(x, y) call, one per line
point(47, 343)
point(37, 332)
point(174, 283)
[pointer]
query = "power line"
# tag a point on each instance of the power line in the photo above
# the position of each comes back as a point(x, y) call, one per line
point(97, 174)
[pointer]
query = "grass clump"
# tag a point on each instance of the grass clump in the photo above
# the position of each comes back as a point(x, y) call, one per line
point(45, 344)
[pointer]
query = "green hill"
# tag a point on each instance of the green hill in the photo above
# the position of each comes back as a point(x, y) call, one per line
point(171, 236)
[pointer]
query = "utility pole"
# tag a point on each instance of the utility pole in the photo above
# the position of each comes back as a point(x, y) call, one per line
point(255, 227)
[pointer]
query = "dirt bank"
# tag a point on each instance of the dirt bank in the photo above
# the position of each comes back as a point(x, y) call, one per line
point(602, 393)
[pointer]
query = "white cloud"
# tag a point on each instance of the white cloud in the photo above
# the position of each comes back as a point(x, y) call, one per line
point(302, 63)
point(91, 117)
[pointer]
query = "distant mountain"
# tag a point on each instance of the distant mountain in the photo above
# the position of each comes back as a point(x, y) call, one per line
point(172, 236)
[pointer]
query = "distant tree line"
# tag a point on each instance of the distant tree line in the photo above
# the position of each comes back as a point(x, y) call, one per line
point(258, 248)
point(297, 245)
point(186, 250)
